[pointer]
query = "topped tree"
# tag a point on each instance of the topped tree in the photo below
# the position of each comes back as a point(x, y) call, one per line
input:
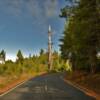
point(50, 48)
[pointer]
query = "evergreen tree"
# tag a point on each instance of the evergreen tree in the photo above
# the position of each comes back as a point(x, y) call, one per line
point(82, 34)
point(20, 57)
point(41, 52)
point(3, 54)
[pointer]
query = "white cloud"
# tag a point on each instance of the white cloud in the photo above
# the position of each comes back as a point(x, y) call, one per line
point(51, 7)
point(47, 10)
point(33, 7)
point(40, 10)
point(11, 57)
point(12, 6)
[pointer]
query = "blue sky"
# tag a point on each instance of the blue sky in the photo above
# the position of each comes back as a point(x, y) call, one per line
point(24, 25)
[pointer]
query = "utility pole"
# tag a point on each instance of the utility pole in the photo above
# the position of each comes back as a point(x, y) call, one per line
point(50, 48)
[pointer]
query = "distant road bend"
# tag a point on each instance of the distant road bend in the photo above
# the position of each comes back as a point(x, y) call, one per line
point(46, 87)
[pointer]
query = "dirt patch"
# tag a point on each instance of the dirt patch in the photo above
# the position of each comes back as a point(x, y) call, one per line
point(90, 83)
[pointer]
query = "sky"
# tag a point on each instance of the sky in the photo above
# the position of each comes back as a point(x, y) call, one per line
point(24, 25)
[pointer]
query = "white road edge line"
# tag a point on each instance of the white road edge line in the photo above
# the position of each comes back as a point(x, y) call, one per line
point(82, 90)
point(1, 95)
point(74, 85)
point(12, 88)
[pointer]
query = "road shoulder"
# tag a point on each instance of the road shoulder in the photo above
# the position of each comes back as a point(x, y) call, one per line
point(83, 89)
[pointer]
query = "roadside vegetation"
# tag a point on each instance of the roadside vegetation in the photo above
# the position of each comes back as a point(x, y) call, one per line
point(79, 46)
point(80, 42)
point(22, 68)
point(25, 68)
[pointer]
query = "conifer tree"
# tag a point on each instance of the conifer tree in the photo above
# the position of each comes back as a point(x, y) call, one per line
point(82, 35)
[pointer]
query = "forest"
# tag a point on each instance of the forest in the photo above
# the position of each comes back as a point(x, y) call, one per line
point(80, 41)
point(79, 47)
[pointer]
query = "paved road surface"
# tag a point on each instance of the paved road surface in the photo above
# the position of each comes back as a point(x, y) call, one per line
point(46, 87)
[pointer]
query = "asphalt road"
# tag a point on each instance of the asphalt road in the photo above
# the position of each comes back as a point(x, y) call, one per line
point(46, 87)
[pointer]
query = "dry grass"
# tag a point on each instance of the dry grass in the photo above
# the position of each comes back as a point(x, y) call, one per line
point(7, 83)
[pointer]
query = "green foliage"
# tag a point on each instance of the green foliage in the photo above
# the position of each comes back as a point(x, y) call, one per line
point(3, 54)
point(20, 57)
point(30, 65)
point(41, 52)
point(27, 66)
point(82, 34)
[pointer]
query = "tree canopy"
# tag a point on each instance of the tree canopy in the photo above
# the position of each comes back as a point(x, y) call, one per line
point(20, 57)
point(82, 33)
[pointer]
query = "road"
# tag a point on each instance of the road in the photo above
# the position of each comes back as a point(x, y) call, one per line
point(46, 87)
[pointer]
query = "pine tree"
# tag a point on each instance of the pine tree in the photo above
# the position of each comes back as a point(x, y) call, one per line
point(3, 54)
point(20, 57)
point(83, 33)
point(41, 52)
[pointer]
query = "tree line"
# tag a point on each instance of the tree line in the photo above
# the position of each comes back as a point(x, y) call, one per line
point(23, 65)
point(81, 37)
